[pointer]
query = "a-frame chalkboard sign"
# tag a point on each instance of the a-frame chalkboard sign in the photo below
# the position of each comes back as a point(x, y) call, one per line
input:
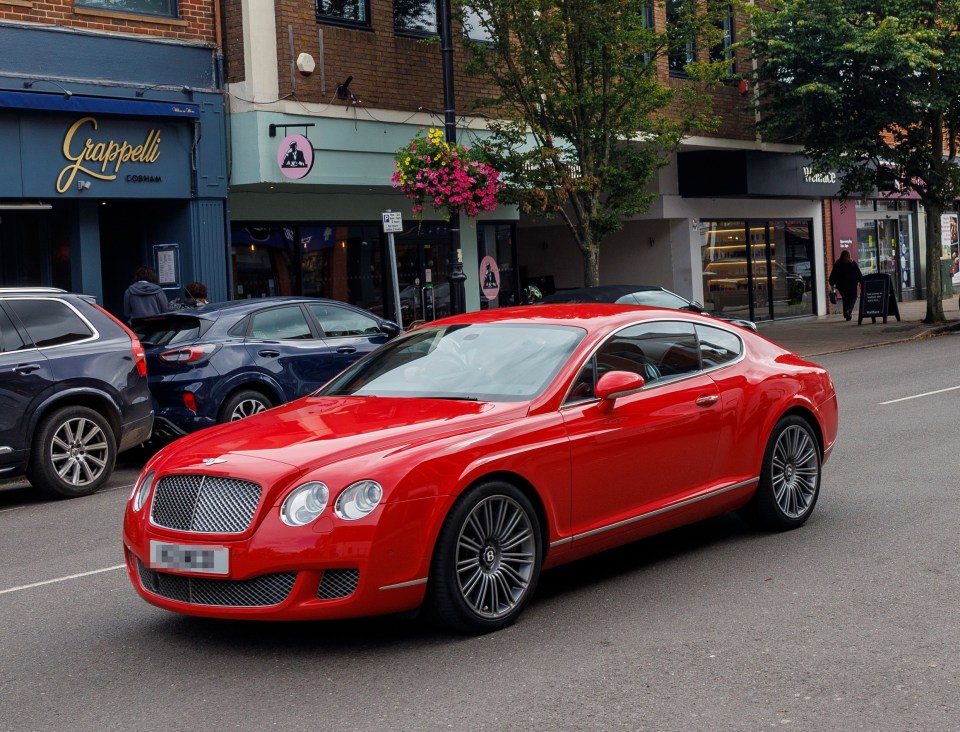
point(877, 298)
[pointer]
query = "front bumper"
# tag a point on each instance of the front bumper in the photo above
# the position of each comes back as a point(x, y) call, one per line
point(329, 569)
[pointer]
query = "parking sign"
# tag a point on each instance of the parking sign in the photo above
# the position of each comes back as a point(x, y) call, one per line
point(392, 222)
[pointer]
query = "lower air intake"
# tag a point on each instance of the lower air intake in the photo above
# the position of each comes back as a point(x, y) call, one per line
point(263, 591)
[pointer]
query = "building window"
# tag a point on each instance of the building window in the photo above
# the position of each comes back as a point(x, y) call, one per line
point(166, 8)
point(346, 12)
point(474, 27)
point(680, 31)
point(415, 17)
point(724, 49)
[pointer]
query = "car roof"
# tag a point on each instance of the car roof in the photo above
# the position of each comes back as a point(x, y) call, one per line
point(242, 307)
point(601, 293)
point(591, 316)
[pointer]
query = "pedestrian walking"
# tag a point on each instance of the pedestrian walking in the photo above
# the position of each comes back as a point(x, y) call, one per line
point(144, 297)
point(846, 276)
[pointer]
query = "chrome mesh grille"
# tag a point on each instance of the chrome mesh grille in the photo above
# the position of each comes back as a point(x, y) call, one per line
point(338, 583)
point(263, 591)
point(204, 503)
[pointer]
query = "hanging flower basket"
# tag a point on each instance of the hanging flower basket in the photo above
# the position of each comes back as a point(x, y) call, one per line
point(447, 176)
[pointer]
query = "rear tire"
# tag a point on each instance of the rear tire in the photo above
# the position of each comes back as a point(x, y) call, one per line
point(73, 454)
point(789, 478)
point(243, 404)
point(487, 560)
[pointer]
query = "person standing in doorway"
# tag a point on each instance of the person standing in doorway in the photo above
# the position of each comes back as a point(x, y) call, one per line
point(846, 276)
point(144, 297)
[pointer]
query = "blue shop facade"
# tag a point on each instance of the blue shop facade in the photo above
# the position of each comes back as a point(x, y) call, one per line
point(112, 155)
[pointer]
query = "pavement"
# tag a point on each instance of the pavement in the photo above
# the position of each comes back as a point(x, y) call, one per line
point(819, 335)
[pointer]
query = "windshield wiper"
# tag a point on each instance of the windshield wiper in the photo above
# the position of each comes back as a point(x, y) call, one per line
point(456, 398)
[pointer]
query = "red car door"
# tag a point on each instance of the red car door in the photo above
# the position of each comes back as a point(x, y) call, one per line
point(648, 450)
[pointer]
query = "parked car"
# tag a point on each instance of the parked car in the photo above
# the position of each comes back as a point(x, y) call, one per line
point(648, 295)
point(450, 466)
point(225, 361)
point(73, 390)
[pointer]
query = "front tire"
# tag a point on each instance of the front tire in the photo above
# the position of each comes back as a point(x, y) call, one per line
point(73, 454)
point(487, 560)
point(243, 404)
point(789, 479)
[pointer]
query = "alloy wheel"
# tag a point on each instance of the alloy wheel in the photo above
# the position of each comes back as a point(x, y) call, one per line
point(247, 408)
point(495, 556)
point(795, 471)
point(79, 451)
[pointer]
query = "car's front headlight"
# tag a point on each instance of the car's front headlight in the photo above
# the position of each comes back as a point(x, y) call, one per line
point(304, 504)
point(142, 490)
point(358, 500)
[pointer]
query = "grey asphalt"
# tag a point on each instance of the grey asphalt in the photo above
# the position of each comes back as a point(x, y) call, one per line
point(816, 336)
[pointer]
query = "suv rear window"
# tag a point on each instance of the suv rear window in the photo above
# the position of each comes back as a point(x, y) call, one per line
point(168, 331)
point(50, 322)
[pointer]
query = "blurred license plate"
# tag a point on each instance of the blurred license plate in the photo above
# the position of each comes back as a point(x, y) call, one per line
point(185, 558)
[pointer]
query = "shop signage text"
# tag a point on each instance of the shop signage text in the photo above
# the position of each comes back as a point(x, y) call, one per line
point(109, 154)
point(810, 177)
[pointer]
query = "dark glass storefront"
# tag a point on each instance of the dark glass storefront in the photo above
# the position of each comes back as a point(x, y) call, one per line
point(759, 270)
point(349, 262)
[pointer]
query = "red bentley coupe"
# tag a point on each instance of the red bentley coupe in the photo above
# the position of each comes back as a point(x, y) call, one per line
point(447, 468)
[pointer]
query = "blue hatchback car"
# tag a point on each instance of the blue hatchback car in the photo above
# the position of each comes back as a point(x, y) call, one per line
point(225, 361)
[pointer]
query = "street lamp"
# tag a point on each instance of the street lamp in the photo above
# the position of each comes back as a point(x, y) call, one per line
point(456, 276)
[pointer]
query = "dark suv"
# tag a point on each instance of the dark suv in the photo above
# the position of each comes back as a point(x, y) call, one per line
point(73, 390)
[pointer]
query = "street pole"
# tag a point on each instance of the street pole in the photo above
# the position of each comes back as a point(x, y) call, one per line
point(456, 276)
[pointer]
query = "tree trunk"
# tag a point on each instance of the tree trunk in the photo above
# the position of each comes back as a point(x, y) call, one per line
point(591, 264)
point(934, 252)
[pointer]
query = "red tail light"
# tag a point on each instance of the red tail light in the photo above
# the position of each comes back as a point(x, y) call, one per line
point(187, 354)
point(136, 348)
point(190, 401)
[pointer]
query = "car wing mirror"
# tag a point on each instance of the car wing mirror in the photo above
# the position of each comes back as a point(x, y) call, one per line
point(615, 384)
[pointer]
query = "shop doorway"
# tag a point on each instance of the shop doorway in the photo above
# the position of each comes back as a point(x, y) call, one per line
point(423, 269)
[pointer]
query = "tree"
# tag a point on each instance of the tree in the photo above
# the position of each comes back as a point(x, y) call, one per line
point(583, 120)
point(871, 90)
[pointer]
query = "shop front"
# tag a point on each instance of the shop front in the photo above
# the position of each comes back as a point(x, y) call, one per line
point(308, 220)
point(760, 269)
point(100, 178)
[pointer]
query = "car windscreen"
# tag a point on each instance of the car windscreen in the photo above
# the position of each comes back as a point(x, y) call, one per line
point(169, 330)
point(484, 362)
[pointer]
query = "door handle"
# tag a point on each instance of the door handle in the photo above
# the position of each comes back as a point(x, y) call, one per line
point(707, 400)
point(26, 368)
point(346, 349)
point(266, 353)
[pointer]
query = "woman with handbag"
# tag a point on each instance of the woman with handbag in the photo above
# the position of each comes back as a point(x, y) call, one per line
point(846, 276)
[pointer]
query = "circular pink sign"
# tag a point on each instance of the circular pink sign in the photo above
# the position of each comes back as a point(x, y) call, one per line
point(489, 278)
point(295, 156)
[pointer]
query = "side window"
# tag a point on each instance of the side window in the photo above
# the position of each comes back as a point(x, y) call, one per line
point(673, 347)
point(282, 324)
point(336, 321)
point(50, 322)
point(10, 339)
point(717, 346)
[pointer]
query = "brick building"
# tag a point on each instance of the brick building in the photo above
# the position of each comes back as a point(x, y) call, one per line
point(737, 223)
point(112, 144)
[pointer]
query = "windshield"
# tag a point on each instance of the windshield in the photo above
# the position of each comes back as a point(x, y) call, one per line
point(484, 362)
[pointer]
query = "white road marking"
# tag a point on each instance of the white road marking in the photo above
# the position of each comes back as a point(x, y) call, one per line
point(15, 508)
point(917, 396)
point(62, 579)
